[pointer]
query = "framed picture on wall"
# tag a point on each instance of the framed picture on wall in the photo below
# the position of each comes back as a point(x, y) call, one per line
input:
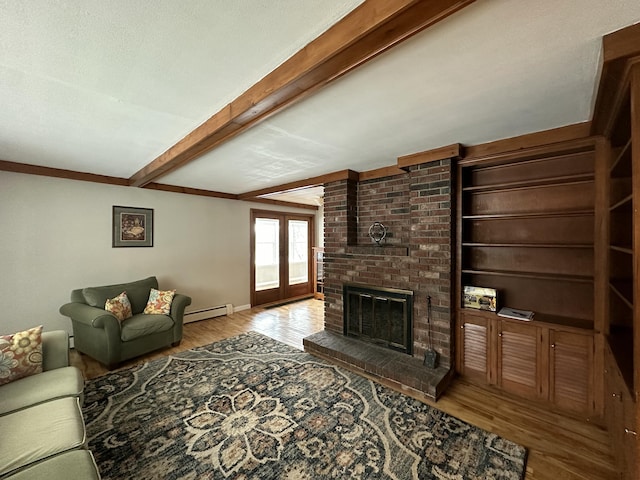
point(132, 227)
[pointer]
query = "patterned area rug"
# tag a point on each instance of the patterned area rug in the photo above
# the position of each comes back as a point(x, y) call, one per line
point(250, 407)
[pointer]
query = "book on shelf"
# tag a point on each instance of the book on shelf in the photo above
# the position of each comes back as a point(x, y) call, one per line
point(480, 298)
point(515, 313)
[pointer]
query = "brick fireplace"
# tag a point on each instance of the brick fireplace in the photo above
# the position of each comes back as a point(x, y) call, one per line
point(416, 208)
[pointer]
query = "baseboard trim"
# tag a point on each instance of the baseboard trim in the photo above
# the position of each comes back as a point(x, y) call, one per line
point(207, 313)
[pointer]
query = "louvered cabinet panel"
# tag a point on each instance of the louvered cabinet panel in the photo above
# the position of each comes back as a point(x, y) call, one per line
point(473, 355)
point(529, 359)
point(518, 365)
point(475, 348)
point(571, 373)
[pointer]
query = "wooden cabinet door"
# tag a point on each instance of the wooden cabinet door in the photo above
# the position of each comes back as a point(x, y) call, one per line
point(629, 435)
point(474, 334)
point(519, 367)
point(624, 428)
point(620, 413)
point(571, 376)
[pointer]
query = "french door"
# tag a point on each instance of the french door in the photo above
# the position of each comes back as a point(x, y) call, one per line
point(280, 256)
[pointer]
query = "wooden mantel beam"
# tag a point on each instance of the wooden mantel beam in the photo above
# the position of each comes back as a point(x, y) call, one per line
point(371, 29)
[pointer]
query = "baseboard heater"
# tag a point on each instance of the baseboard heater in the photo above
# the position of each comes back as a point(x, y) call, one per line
point(209, 312)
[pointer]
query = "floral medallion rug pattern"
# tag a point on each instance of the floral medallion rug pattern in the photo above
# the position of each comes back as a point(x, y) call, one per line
point(250, 407)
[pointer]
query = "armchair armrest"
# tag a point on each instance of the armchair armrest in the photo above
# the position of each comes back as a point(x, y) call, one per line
point(96, 332)
point(179, 303)
point(90, 316)
point(55, 350)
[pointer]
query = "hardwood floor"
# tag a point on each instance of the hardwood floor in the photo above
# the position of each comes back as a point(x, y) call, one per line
point(560, 448)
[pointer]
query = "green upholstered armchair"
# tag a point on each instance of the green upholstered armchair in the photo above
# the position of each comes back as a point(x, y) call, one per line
point(98, 333)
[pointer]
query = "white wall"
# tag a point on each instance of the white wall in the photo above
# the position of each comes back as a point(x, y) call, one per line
point(56, 236)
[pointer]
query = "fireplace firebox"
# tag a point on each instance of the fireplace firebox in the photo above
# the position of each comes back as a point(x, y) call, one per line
point(382, 316)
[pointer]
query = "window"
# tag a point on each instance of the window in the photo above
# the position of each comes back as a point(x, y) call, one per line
point(267, 231)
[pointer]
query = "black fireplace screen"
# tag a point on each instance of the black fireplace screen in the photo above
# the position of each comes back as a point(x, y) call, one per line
point(379, 315)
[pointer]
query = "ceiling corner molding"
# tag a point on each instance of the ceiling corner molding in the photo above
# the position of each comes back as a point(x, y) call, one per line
point(60, 173)
point(441, 153)
point(282, 203)
point(567, 133)
point(389, 171)
point(308, 182)
point(623, 43)
point(572, 146)
point(621, 50)
point(369, 30)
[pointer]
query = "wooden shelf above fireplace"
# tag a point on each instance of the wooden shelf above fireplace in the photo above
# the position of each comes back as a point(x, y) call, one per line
point(383, 250)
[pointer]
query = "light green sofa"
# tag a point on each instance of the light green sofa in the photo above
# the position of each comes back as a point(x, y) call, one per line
point(43, 432)
point(98, 333)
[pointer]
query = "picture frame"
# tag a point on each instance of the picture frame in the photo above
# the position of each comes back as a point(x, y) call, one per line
point(132, 227)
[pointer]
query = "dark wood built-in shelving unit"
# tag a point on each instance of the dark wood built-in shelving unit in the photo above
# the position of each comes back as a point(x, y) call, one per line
point(554, 227)
point(621, 256)
point(616, 123)
point(620, 126)
point(526, 223)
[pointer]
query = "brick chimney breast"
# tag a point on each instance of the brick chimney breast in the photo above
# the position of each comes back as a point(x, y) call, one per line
point(416, 255)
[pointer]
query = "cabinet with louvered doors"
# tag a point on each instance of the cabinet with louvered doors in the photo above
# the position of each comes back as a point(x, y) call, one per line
point(519, 369)
point(571, 372)
point(474, 335)
point(534, 360)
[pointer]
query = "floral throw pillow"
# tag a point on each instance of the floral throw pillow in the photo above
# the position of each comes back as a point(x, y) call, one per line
point(20, 354)
point(159, 302)
point(120, 306)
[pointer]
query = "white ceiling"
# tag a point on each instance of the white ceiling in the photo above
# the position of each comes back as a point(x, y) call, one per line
point(105, 86)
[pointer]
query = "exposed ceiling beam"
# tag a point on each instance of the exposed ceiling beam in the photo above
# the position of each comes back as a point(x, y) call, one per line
point(369, 30)
point(190, 191)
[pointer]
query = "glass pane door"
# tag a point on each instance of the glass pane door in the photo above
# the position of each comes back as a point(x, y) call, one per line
point(267, 253)
point(298, 252)
point(280, 256)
